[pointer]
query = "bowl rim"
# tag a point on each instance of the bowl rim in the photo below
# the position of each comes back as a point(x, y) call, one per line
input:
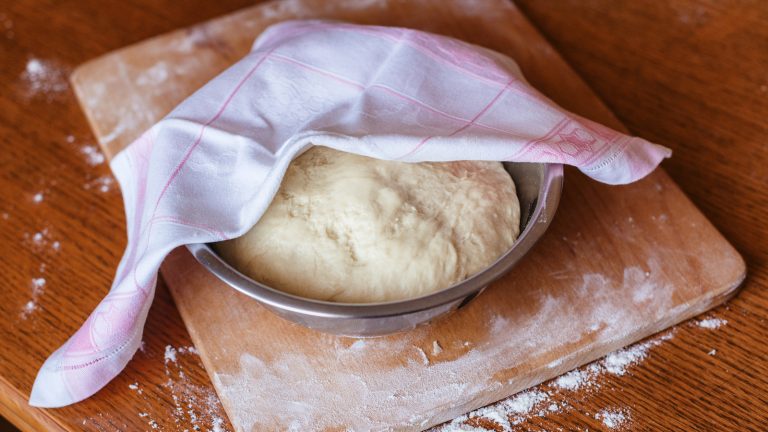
point(548, 198)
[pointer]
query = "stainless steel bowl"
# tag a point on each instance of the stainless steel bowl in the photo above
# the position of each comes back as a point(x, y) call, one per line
point(538, 189)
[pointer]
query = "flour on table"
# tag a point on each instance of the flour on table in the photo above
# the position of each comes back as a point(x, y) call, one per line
point(170, 354)
point(30, 307)
point(44, 78)
point(101, 184)
point(612, 418)
point(40, 237)
point(38, 288)
point(712, 353)
point(712, 323)
point(38, 198)
point(93, 155)
point(197, 405)
point(618, 362)
point(572, 380)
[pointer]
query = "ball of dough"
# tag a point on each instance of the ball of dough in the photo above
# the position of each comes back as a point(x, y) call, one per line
point(352, 229)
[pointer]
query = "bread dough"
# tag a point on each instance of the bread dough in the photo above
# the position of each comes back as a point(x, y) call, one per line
point(353, 229)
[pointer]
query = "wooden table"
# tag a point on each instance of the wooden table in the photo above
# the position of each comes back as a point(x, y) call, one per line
point(690, 75)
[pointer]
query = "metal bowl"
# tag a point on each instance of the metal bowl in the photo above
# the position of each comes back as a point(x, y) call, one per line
point(538, 189)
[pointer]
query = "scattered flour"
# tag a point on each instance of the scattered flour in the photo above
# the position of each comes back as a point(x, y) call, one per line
point(537, 402)
point(102, 184)
point(218, 424)
point(39, 237)
point(38, 198)
point(188, 349)
point(523, 403)
point(712, 323)
point(155, 75)
point(197, 405)
point(617, 362)
point(30, 307)
point(44, 78)
point(612, 419)
point(38, 288)
point(92, 155)
point(572, 380)
point(37, 285)
point(713, 352)
point(170, 354)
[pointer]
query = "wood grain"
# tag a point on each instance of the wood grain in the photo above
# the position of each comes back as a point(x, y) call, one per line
point(666, 70)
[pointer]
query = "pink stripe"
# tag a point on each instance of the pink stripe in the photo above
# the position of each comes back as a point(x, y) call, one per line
point(205, 126)
point(318, 70)
point(525, 148)
point(429, 53)
point(598, 154)
point(193, 147)
point(395, 93)
point(142, 161)
point(387, 89)
point(471, 122)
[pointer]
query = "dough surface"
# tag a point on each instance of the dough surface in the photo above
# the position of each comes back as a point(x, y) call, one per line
point(353, 229)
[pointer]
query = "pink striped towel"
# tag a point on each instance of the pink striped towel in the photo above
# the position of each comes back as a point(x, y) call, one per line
point(208, 170)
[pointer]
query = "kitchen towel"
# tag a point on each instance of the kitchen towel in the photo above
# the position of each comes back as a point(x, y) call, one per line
point(208, 170)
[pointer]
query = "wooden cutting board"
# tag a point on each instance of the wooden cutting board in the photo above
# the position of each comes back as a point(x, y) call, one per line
point(618, 263)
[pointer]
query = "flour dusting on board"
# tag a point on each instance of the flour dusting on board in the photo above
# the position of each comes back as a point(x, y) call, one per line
point(406, 394)
point(539, 401)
